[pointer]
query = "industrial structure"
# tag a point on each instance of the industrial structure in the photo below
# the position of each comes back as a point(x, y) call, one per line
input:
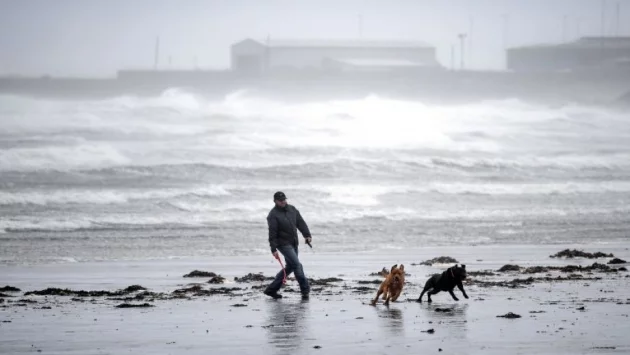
point(586, 53)
point(255, 57)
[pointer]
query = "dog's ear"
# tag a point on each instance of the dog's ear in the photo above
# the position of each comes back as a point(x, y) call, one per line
point(401, 267)
point(463, 266)
point(394, 267)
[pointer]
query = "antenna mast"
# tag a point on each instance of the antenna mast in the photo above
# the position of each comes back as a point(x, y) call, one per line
point(157, 53)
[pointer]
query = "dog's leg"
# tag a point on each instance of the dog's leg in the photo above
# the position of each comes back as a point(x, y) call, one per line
point(385, 294)
point(453, 295)
point(396, 295)
point(380, 291)
point(432, 292)
point(387, 300)
point(428, 286)
point(426, 289)
point(461, 288)
point(419, 300)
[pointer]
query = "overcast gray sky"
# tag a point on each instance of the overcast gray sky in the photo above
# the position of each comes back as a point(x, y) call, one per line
point(98, 37)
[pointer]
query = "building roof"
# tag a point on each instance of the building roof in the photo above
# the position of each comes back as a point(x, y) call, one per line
point(381, 62)
point(586, 42)
point(348, 43)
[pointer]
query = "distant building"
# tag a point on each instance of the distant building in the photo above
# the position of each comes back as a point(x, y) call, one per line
point(251, 56)
point(583, 54)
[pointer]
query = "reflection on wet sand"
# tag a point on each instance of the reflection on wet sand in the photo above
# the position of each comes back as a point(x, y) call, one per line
point(453, 315)
point(393, 319)
point(286, 327)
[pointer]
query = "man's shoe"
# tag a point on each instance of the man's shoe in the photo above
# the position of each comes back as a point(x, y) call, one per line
point(274, 295)
point(305, 296)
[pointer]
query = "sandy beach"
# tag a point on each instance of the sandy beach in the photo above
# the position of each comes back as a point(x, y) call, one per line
point(582, 314)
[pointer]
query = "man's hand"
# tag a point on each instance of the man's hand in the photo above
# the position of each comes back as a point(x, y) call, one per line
point(276, 255)
point(308, 241)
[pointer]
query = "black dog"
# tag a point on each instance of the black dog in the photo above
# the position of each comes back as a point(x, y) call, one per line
point(446, 281)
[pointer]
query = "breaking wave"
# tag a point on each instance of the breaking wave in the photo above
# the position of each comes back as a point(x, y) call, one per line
point(182, 161)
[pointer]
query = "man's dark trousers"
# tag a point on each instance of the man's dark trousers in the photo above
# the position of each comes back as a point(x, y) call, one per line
point(293, 264)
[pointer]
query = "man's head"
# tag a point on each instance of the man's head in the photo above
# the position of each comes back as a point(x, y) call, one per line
point(280, 199)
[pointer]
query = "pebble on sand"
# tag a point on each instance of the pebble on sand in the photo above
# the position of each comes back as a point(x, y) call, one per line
point(617, 261)
point(510, 315)
point(439, 260)
point(567, 253)
point(199, 273)
point(131, 305)
point(9, 289)
point(509, 267)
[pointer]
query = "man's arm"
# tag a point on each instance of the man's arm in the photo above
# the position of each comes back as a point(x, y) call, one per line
point(301, 226)
point(273, 232)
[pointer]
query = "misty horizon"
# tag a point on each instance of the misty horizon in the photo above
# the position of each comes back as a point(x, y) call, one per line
point(96, 39)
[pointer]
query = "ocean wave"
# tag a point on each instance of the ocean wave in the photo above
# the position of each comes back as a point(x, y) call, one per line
point(180, 127)
point(41, 224)
point(100, 197)
point(83, 156)
point(246, 207)
point(390, 164)
point(551, 188)
point(611, 161)
point(365, 193)
point(315, 216)
point(108, 158)
point(195, 198)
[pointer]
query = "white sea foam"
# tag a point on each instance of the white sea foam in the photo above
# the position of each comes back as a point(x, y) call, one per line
point(76, 196)
point(180, 127)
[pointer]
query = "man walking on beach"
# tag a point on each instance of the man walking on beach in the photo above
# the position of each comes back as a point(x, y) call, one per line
point(284, 220)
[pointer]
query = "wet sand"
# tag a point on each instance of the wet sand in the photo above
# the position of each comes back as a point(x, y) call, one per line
point(337, 319)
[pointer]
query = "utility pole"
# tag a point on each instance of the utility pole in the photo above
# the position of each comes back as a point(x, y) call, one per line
point(462, 38)
point(506, 20)
point(617, 14)
point(156, 55)
point(360, 25)
point(603, 19)
point(578, 28)
point(471, 22)
point(452, 57)
point(564, 29)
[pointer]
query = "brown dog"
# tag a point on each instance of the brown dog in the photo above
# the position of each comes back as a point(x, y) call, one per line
point(392, 286)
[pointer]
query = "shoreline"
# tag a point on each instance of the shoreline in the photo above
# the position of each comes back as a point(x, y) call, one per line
point(404, 254)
